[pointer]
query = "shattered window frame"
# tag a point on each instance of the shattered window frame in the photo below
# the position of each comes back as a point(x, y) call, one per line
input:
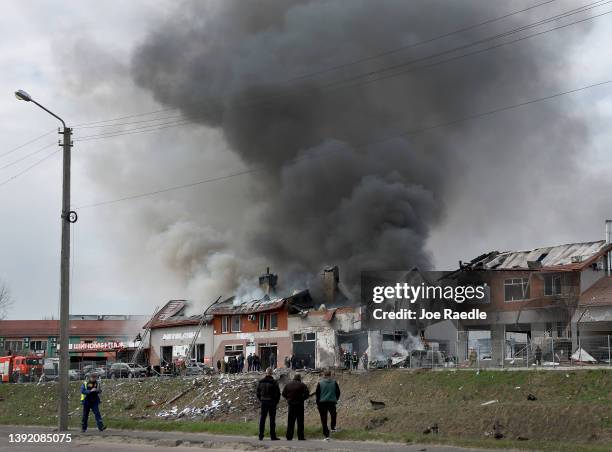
point(552, 285)
point(514, 287)
point(225, 324)
point(236, 325)
point(13, 345)
point(38, 345)
point(273, 323)
point(263, 321)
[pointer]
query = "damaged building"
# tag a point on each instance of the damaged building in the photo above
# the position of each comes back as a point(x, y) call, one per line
point(277, 326)
point(559, 292)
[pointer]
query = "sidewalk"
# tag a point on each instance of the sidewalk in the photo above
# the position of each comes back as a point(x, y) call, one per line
point(170, 440)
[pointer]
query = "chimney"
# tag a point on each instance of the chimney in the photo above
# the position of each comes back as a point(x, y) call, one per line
point(331, 278)
point(267, 282)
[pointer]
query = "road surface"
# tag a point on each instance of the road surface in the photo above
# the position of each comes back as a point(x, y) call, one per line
point(141, 441)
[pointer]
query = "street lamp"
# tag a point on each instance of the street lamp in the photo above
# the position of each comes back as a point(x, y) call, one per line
point(67, 217)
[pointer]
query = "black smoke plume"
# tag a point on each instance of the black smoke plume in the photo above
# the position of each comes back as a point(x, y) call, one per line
point(335, 182)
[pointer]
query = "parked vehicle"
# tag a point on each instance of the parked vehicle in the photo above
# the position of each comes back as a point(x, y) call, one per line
point(51, 369)
point(194, 368)
point(20, 368)
point(99, 371)
point(126, 370)
point(75, 374)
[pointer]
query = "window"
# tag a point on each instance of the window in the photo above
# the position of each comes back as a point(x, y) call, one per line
point(235, 324)
point(516, 289)
point(304, 337)
point(263, 322)
point(14, 346)
point(552, 285)
point(38, 346)
point(225, 324)
point(233, 350)
point(274, 320)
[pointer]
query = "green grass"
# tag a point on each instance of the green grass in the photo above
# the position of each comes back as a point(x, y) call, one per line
point(573, 411)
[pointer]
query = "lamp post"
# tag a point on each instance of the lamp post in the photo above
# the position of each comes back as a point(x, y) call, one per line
point(67, 217)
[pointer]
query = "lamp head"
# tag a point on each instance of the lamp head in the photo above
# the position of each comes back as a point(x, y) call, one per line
point(22, 95)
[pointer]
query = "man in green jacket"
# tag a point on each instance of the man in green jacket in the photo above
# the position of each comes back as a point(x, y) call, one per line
point(328, 394)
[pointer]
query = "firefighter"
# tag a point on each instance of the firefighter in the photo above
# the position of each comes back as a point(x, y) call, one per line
point(90, 399)
point(355, 360)
point(347, 360)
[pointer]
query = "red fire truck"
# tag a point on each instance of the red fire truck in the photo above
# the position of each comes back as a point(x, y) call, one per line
point(20, 368)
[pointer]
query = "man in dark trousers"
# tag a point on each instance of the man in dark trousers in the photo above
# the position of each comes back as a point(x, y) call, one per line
point(90, 399)
point(538, 355)
point(296, 394)
point(268, 393)
point(250, 362)
point(328, 394)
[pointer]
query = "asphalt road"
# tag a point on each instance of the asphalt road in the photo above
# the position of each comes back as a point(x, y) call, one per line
point(139, 441)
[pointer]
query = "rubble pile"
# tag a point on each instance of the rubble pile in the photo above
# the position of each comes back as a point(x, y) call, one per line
point(214, 396)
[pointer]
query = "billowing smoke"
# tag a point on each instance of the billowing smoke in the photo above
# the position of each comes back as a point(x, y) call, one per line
point(329, 186)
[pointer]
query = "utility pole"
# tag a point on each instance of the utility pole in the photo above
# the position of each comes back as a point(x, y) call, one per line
point(67, 216)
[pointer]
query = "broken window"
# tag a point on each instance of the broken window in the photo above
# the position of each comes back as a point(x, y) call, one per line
point(235, 324)
point(38, 345)
point(263, 322)
point(274, 320)
point(516, 289)
point(552, 285)
point(14, 346)
point(225, 324)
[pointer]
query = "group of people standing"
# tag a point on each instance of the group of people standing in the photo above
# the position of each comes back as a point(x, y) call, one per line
point(294, 362)
point(296, 393)
point(351, 360)
point(236, 364)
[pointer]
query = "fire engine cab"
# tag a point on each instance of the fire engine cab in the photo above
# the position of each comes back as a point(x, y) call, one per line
point(19, 368)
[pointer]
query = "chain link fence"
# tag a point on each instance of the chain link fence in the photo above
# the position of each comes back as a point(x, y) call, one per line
point(520, 350)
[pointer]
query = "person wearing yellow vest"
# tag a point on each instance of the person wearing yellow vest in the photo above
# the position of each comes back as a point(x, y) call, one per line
point(90, 399)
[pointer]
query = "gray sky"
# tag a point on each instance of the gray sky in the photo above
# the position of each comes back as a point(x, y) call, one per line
point(75, 57)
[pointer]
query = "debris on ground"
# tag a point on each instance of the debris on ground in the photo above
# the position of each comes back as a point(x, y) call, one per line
point(531, 397)
point(490, 402)
point(376, 422)
point(377, 405)
point(432, 429)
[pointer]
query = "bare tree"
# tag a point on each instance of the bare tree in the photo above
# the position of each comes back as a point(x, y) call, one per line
point(5, 300)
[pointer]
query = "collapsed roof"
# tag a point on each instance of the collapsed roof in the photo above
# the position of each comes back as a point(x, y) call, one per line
point(568, 257)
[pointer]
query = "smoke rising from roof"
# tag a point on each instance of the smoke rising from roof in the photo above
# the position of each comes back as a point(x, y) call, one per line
point(321, 194)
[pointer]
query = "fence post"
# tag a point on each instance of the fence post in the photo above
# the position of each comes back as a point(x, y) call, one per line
point(527, 360)
point(609, 362)
point(552, 344)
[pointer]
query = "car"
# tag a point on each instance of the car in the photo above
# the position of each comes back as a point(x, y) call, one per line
point(99, 371)
point(194, 368)
point(126, 370)
point(75, 374)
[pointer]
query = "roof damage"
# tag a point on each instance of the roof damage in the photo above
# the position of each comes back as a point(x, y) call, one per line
point(568, 257)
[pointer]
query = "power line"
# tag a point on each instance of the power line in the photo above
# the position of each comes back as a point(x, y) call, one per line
point(14, 162)
point(402, 134)
point(38, 162)
point(332, 68)
point(343, 83)
point(415, 44)
point(10, 151)
point(192, 119)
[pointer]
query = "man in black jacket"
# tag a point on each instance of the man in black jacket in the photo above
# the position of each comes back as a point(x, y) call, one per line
point(296, 394)
point(268, 393)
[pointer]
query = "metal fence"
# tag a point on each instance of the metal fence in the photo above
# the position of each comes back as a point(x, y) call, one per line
point(526, 351)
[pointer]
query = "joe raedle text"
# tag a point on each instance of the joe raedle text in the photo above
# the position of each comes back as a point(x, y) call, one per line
point(386, 296)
